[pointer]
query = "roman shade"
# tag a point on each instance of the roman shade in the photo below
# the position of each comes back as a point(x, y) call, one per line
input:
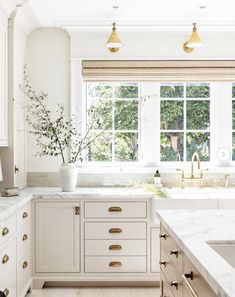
point(174, 70)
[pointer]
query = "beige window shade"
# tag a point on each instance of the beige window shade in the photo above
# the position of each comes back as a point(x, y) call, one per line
point(159, 70)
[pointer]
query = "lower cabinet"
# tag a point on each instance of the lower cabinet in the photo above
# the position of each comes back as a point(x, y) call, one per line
point(57, 241)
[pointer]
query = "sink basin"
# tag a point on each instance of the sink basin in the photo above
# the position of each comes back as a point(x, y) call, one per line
point(225, 249)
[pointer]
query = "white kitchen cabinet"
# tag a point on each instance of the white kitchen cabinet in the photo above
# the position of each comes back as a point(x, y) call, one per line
point(57, 237)
point(155, 250)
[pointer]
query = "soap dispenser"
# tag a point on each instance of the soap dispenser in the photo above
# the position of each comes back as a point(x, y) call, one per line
point(157, 179)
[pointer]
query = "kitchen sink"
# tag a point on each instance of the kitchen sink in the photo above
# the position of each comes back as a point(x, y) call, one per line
point(226, 249)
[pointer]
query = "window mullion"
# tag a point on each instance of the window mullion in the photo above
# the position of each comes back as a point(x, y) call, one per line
point(185, 124)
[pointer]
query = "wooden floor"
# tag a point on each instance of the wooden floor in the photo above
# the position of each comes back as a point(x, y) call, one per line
point(95, 292)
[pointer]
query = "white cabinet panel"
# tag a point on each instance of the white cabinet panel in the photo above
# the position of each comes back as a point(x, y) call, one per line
point(155, 250)
point(57, 237)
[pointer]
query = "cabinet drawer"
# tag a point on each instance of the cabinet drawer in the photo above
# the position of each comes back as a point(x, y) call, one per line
point(165, 289)
point(173, 251)
point(115, 230)
point(197, 282)
point(23, 241)
point(8, 285)
point(24, 215)
point(8, 228)
point(8, 258)
point(23, 275)
point(115, 247)
point(173, 278)
point(115, 209)
point(115, 264)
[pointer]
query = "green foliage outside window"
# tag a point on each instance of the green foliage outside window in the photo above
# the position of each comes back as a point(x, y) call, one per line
point(172, 91)
point(172, 115)
point(198, 114)
point(198, 91)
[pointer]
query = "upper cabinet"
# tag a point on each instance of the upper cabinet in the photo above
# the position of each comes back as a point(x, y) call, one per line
point(3, 84)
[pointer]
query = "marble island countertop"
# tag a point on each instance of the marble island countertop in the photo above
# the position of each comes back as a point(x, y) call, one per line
point(193, 230)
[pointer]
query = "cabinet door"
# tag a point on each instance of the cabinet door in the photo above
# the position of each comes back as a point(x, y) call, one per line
point(155, 250)
point(3, 86)
point(57, 237)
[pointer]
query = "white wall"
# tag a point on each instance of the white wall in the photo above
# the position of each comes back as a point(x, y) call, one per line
point(48, 66)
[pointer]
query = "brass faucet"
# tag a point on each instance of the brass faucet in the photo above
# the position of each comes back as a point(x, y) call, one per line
point(195, 155)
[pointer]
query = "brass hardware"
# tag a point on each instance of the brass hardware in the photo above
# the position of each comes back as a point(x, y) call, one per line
point(186, 48)
point(188, 286)
point(195, 155)
point(115, 230)
point(25, 215)
point(189, 275)
point(226, 180)
point(115, 247)
point(17, 169)
point(194, 40)
point(6, 292)
point(77, 210)
point(5, 231)
point(25, 264)
point(174, 252)
point(115, 264)
point(5, 259)
point(162, 263)
point(174, 284)
point(25, 237)
point(162, 235)
point(115, 209)
point(114, 43)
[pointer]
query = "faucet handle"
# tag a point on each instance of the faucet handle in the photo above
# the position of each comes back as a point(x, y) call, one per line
point(226, 181)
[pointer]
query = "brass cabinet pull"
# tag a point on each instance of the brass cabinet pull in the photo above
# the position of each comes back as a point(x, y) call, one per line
point(174, 252)
point(5, 231)
point(188, 286)
point(115, 209)
point(5, 259)
point(174, 284)
point(6, 292)
point(25, 264)
point(162, 263)
point(162, 235)
point(115, 264)
point(25, 215)
point(115, 247)
point(115, 230)
point(77, 210)
point(25, 237)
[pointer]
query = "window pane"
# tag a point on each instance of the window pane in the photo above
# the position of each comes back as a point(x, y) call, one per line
point(101, 148)
point(126, 115)
point(127, 91)
point(100, 114)
point(172, 115)
point(126, 146)
point(99, 90)
point(233, 149)
point(233, 114)
point(198, 142)
point(172, 146)
point(198, 114)
point(233, 90)
point(172, 90)
point(198, 90)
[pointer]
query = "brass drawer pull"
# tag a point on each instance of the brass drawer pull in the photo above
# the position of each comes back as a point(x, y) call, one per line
point(77, 210)
point(174, 284)
point(5, 231)
point(25, 264)
point(162, 263)
point(115, 230)
point(5, 259)
point(115, 264)
point(25, 215)
point(115, 247)
point(6, 292)
point(162, 235)
point(174, 252)
point(115, 209)
point(25, 237)
point(188, 286)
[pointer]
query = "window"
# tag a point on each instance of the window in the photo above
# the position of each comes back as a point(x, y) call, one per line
point(233, 121)
point(118, 107)
point(184, 121)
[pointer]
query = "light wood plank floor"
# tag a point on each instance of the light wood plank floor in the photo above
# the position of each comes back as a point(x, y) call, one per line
point(96, 292)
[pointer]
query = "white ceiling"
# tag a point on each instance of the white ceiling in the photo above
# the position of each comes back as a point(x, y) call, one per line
point(131, 13)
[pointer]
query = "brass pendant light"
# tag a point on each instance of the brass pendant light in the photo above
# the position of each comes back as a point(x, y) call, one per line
point(194, 41)
point(114, 43)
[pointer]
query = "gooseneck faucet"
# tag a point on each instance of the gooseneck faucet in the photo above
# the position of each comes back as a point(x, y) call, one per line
point(196, 157)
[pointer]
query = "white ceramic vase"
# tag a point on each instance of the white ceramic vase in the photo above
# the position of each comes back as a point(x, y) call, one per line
point(68, 177)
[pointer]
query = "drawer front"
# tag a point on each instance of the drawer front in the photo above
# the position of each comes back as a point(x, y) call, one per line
point(173, 278)
point(115, 209)
point(8, 285)
point(8, 228)
point(115, 264)
point(24, 215)
point(173, 251)
point(8, 258)
point(115, 230)
point(23, 275)
point(196, 282)
point(115, 247)
point(23, 242)
point(165, 289)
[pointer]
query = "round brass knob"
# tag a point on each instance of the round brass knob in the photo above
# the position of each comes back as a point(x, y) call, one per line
point(174, 252)
point(25, 264)
point(174, 284)
point(25, 215)
point(162, 263)
point(5, 231)
point(162, 235)
point(5, 259)
point(25, 237)
point(6, 292)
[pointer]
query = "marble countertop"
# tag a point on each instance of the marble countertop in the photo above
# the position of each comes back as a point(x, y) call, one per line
point(192, 230)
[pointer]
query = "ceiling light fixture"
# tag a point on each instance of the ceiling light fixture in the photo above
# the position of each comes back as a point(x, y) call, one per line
point(114, 43)
point(194, 41)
